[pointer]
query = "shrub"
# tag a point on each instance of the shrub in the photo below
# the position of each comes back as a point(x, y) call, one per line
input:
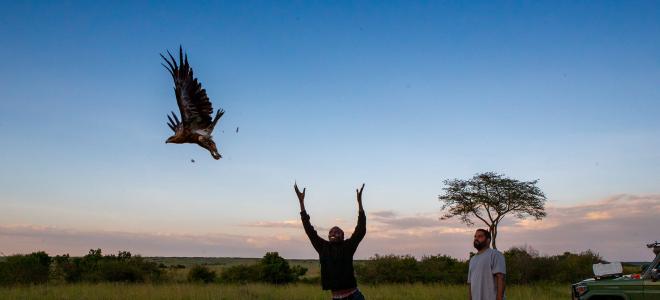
point(298, 271)
point(572, 267)
point(95, 267)
point(199, 273)
point(407, 269)
point(524, 265)
point(388, 269)
point(32, 268)
point(442, 268)
point(275, 269)
point(272, 268)
point(241, 273)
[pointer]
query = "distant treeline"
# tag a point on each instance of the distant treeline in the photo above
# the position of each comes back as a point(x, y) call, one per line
point(39, 267)
point(524, 265)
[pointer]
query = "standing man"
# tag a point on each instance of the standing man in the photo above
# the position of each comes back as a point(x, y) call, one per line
point(336, 254)
point(487, 270)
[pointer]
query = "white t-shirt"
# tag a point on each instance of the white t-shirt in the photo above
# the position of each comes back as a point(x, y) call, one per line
point(481, 275)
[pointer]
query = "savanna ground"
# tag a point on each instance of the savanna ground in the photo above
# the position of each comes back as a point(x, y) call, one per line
point(177, 287)
point(263, 291)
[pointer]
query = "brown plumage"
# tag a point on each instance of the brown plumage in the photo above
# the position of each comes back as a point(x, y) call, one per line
point(195, 126)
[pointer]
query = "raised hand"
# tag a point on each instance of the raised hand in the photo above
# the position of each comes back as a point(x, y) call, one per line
point(301, 196)
point(359, 195)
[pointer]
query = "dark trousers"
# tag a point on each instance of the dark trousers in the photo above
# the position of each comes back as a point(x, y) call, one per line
point(355, 296)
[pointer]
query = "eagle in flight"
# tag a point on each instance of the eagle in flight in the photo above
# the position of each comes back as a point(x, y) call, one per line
point(196, 125)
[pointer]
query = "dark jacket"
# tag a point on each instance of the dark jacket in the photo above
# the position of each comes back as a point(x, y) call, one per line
point(336, 258)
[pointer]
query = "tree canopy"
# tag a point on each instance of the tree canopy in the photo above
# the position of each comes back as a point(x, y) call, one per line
point(489, 197)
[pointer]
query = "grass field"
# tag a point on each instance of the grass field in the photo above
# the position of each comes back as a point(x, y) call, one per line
point(177, 287)
point(263, 291)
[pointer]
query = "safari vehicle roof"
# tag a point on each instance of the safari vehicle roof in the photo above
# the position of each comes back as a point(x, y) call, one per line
point(623, 280)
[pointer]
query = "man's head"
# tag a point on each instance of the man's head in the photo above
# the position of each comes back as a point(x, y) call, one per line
point(336, 235)
point(481, 239)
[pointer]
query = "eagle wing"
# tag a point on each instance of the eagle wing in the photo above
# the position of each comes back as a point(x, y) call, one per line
point(194, 105)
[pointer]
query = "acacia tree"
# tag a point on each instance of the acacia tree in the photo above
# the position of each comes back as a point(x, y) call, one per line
point(490, 197)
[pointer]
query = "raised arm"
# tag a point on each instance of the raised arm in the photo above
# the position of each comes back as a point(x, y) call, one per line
point(361, 228)
point(316, 240)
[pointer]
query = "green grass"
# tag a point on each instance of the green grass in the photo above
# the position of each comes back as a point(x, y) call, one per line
point(263, 291)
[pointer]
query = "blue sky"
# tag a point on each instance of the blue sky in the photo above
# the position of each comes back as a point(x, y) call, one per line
point(400, 95)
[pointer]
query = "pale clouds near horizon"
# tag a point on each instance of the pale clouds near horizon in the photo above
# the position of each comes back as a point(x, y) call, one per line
point(617, 227)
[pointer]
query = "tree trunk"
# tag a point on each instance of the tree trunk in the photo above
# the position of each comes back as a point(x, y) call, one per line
point(493, 235)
